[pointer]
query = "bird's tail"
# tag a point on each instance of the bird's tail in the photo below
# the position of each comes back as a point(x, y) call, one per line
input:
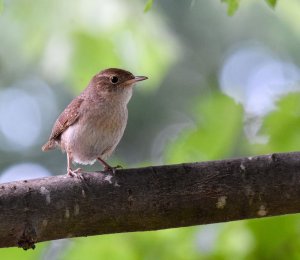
point(49, 145)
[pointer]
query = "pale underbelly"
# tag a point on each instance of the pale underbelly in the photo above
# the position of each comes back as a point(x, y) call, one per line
point(90, 141)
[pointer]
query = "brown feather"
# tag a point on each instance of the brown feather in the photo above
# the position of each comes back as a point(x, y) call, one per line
point(68, 117)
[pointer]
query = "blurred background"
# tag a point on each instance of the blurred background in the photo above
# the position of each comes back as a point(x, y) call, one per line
point(219, 87)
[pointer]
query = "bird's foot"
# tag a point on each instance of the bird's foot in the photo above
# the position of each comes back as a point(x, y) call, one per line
point(111, 169)
point(107, 167)
point(75, 173)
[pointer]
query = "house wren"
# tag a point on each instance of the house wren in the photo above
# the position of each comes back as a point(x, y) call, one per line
point(92, 125)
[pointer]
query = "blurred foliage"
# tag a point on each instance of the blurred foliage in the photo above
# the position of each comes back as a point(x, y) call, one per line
point(18, 253)
point(1, 6)
point(275, 238)
point(233, 5)
point(272, 3)
point(281, 126)
point(91, 52)
point(150, 245)
point(148, 5)
point(205, 141)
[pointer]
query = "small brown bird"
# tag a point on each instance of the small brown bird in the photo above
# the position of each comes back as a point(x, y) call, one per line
point(92, 125)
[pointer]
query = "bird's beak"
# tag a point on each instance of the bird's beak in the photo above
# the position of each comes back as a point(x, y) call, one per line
point(139, 78)
point(135, 79)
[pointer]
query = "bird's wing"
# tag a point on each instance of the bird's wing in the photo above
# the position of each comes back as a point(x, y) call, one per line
point(68, 117)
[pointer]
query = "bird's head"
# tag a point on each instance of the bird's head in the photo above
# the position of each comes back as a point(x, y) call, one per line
point(115, 83)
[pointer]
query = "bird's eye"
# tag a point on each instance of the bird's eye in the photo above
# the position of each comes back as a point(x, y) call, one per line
point(114, 79)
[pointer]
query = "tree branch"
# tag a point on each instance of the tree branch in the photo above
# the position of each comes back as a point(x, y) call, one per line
point(148, 198)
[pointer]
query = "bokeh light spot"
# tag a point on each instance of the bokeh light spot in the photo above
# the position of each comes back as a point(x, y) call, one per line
point(20, 118)
point(23, 171)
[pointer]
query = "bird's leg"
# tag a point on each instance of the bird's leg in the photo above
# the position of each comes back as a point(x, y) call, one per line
point(107, 167)
point(70, 172)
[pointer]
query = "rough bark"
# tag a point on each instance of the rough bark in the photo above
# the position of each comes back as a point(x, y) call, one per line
point(148, 198)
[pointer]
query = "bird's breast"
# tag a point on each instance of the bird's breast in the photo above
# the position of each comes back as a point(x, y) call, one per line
point(96, 133)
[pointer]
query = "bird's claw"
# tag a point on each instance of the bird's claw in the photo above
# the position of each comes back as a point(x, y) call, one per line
point(75, 173)
point(111, 169)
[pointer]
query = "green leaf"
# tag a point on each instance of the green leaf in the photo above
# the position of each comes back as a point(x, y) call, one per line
point(271, 3)
point(148, 6)
point(232, 6)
